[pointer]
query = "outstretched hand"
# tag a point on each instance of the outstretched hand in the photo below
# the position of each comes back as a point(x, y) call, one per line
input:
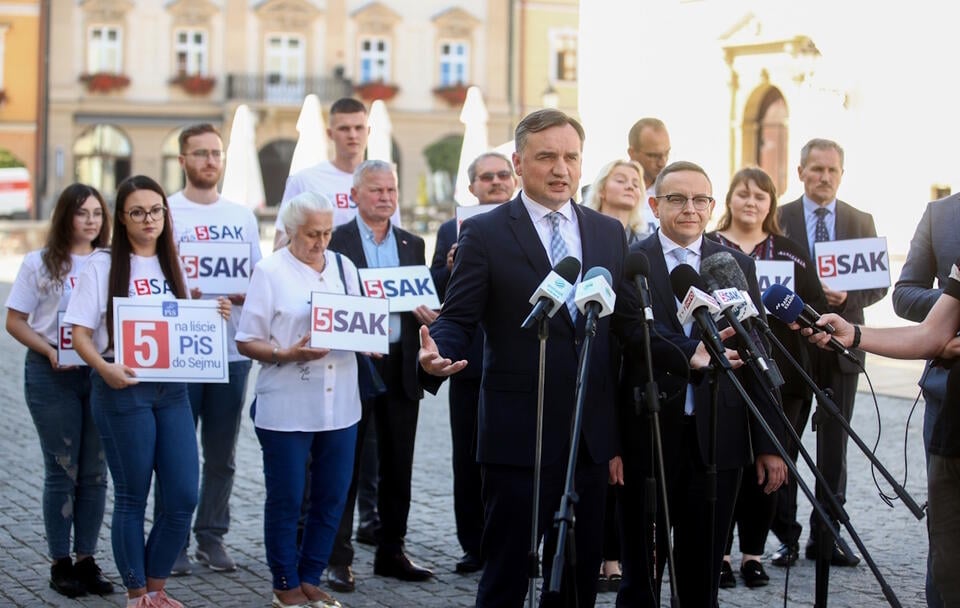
point(430, 359)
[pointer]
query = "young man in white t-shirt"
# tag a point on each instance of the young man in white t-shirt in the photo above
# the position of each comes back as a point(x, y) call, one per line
point(334, 178)
point(201, 215)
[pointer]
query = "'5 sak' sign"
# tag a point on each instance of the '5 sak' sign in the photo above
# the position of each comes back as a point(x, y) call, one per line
point(216, 267)
point(853, 264)
point(405, 286)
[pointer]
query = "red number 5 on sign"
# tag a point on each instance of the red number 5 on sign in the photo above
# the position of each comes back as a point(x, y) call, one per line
point(146, 344)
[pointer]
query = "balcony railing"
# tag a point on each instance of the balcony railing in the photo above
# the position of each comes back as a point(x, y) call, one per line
point(272, 88)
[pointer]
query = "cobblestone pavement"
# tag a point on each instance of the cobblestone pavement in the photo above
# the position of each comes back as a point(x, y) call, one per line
point(896, 540)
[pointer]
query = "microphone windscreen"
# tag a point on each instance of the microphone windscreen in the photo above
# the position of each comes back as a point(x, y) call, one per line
point(598, 271)
point(683, 278)
point(568, 268)
point(636, 264)
point(782, 303)
point(721, 271)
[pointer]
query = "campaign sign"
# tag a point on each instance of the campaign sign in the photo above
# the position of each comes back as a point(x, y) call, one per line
point(853, 264)
point(217, 267)
point(171, 340)
point(356, 323)
point(65, 353)
point(405, 286)
point(464, 213)
point(775, 271)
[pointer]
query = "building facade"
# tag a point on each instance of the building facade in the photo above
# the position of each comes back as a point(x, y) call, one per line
point(127, 75)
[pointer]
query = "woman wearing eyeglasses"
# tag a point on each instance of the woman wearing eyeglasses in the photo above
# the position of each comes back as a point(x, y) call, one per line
point(618, 192)
point(145, 427)
point(58, 396)
point(749, 224)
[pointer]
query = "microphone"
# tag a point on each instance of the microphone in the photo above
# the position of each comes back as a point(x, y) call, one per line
point(789, 308)
point(694, 302)
point(553, 291)
point(594, 297)
point(723, 267)
point(636, 268)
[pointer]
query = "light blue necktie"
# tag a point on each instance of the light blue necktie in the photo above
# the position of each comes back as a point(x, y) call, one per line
point(558, 251)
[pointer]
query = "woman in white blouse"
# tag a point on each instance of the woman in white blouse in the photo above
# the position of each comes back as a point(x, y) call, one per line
point(307, 400)
point(58, 394)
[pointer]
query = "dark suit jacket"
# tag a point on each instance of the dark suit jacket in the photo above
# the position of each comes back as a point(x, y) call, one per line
point(500, 262)
point(410, 249)
point(934, 249)
point(739, 436)
point(446, 237)
point(851, 224)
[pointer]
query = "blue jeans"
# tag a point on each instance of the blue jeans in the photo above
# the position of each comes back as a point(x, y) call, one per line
point(147, 428)
point(218, 408)
point(284, 471)
point(75, 472)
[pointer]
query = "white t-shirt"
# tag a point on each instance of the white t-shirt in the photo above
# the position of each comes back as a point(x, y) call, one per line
point(88, 305)
point(320, 395)
point(35, 293)
point(331, 182)
point(221, 221)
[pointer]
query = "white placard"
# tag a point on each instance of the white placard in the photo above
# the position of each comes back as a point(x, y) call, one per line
point(171, 340)
point(355, 323)
point(776, 271)
point(221, 268)
point(65, 353)
point(405, 286)
point(853, 264)
point(464, 213)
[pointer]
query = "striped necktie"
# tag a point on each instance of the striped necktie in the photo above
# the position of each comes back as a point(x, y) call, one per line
point(558, 251)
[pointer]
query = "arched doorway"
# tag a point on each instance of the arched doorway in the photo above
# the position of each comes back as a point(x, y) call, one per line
point(765, 134)
point(275, 160)
point(102, 158)
point(173, 179)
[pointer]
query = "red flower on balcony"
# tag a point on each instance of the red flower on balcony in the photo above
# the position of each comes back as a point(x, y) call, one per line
point(195, 84)
point(454, 94)
point(104, 82)
point(372, 91)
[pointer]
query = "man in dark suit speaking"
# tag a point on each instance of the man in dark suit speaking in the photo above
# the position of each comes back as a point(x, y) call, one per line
point(502, 256)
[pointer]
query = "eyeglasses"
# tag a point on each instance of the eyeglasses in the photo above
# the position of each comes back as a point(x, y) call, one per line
point(488, 177)
point(140, 215)
point(657, 157)
point(86, 215)
point(205, 154)
point(679, 201)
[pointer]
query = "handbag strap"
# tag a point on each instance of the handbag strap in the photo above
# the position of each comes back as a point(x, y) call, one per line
point(343, 278)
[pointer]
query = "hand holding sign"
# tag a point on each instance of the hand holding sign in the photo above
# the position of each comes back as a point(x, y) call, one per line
point(301, 352)
point(834, 298)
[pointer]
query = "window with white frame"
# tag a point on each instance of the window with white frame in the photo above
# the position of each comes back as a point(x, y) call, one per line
point(563, 55)
point(454, 63)
point(105, 49)
point(374, 60)
point(190, 51)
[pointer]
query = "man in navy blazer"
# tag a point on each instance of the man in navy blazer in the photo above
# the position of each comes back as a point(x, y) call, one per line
point(370, 240)
point(820, 170)
point(683, 204)
point(934, 249)
point(493, 182)
point(502, 257)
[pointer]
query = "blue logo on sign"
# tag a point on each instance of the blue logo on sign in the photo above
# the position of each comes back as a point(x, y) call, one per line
point(170, 309)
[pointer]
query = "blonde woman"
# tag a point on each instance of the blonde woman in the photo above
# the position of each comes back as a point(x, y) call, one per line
point(618, 192)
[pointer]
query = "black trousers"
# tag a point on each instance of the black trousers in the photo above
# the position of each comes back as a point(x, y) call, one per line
point(832, 441)
point(785, 524)
point(467, 500)
point(698, 571)
point(508, 505)
point(752, 514)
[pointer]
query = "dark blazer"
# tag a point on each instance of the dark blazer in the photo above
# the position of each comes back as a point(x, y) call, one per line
point(851, 224)
point(446, 237)
point(410, 249)
point(500, 262)
point(934, 249)
point(739, 436)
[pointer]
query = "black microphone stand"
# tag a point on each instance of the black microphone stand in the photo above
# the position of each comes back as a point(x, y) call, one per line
point(533, 558)
point(651, 403)
point(782, 452)
point(841, 516)
point(565, 557)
